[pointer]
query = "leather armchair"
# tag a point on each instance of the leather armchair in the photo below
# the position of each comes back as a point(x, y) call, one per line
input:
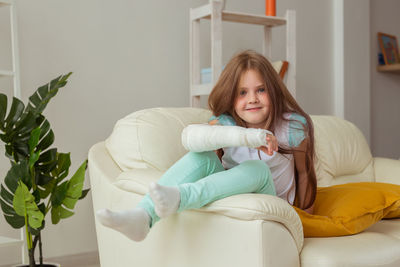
point(243, 230)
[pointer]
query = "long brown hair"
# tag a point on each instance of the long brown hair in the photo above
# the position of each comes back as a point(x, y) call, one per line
point(223, 96)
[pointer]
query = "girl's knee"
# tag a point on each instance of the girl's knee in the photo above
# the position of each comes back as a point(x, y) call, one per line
point(208, 158)
point(258, 168)
point(207, 155)
point(257, 165)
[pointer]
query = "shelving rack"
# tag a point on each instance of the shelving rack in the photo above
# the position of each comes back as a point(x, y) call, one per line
point(392, 68)
point(214, 12)
point(15, 75)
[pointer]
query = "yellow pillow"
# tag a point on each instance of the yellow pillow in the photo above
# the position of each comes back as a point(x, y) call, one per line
point(350, 208)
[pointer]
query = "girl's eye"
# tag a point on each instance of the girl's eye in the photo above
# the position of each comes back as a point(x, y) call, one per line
point(261, 90)
point(242, 92)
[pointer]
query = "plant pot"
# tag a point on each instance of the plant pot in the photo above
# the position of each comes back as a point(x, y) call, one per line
point(45, 264)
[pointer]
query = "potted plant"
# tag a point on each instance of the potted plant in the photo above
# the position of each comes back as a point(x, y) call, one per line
point(36, 183)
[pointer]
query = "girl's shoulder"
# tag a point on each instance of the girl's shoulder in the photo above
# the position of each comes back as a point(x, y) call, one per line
point(293, 128)
point(295, 118)
point(224, 119)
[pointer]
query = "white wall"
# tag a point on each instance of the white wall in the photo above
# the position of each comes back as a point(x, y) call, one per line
point(357, 64)
point(129, 55)
point(385, 87)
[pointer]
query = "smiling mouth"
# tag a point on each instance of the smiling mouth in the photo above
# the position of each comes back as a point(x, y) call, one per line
point(252, 109)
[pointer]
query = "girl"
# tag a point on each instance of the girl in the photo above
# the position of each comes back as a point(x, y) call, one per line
point(249, 93)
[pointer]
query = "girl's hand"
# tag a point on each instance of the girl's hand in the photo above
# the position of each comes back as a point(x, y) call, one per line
point(272, 145)
point(213, 122)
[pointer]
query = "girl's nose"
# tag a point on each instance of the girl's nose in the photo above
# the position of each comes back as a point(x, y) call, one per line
point(253, 98)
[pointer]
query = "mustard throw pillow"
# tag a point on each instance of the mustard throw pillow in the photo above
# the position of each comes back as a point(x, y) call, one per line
point(350, 208)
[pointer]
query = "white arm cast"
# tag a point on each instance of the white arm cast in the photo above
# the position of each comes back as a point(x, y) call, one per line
point(204, 137)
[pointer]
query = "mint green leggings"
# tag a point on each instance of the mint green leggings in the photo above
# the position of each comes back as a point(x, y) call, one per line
point(202, 179)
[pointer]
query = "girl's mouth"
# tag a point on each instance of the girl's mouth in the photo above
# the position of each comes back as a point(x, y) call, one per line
point(252, 109)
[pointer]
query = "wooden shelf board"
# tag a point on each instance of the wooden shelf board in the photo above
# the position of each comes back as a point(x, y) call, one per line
point(6, 73)
point(204, 12)
point(5, 2)
point(389, 68)
point(201, 89)
point(6, 241)
point(251, 19)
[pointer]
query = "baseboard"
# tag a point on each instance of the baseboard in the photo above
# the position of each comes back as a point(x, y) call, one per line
point(81, 259)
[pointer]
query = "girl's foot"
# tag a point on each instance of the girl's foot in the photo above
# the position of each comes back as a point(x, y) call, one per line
point(166, 199)
point(135, 223)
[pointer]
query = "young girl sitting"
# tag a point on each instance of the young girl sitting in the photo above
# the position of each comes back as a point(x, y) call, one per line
point(250, 94)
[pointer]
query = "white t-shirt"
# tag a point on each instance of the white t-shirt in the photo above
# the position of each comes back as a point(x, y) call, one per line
point(288, 134)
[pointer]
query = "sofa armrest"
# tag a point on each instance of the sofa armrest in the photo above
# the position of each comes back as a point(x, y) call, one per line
point(387, 170)
point(100, 161)
point(260, 207)
point(137, 180)
point(245, 207)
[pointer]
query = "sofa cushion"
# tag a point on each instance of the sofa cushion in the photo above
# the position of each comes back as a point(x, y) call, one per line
point(137, 180)
point(342, 153)
point(387, 227)
point(364, 249)
point(151, 138)
point(243, 206)
point(350, 208)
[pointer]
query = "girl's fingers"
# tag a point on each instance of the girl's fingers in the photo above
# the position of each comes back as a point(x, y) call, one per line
point(272, 143)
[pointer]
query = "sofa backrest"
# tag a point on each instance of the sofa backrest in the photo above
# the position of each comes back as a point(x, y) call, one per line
point(151, 138)
point(342, 153)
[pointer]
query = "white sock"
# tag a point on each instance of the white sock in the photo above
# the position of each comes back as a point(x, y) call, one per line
point(166, 199)
point(134, 223)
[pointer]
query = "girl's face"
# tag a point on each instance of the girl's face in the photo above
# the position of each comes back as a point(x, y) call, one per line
point(252, 102)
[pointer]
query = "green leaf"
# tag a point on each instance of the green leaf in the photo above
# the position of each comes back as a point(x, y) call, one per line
point(34, 231)
point(33, 158)
point(84, 193)
point(21, 151)
point(3, 109)
point(62, 169)
point(34, 139)
point(7, 209)
point(47, 161)
point(26, 124)
point(18, 171)
point(47, 141)
point(4, 137)
point(48, 188)
point(44, 125)
point(49, 156)
point(24, 205)
point(16, 110)
point(7, 196)
point(43, 179)
point(75, 186)
point(15, 221)
point(58, 213)
point(9, 151)
point(59, 194)
point(39, 100)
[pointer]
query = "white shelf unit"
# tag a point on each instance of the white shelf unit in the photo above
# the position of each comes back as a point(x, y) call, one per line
point(214, 12)
point(14, 74)
point(6, 241)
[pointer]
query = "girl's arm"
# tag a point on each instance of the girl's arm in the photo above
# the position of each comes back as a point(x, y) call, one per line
point(219, 152)
point(300, 164)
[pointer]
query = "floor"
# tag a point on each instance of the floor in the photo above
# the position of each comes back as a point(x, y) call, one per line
point(90, 259)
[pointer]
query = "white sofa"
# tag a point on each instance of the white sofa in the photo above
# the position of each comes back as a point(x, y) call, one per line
point(243, 230)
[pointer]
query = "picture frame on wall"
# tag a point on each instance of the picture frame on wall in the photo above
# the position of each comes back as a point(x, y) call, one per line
point(389, 48)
